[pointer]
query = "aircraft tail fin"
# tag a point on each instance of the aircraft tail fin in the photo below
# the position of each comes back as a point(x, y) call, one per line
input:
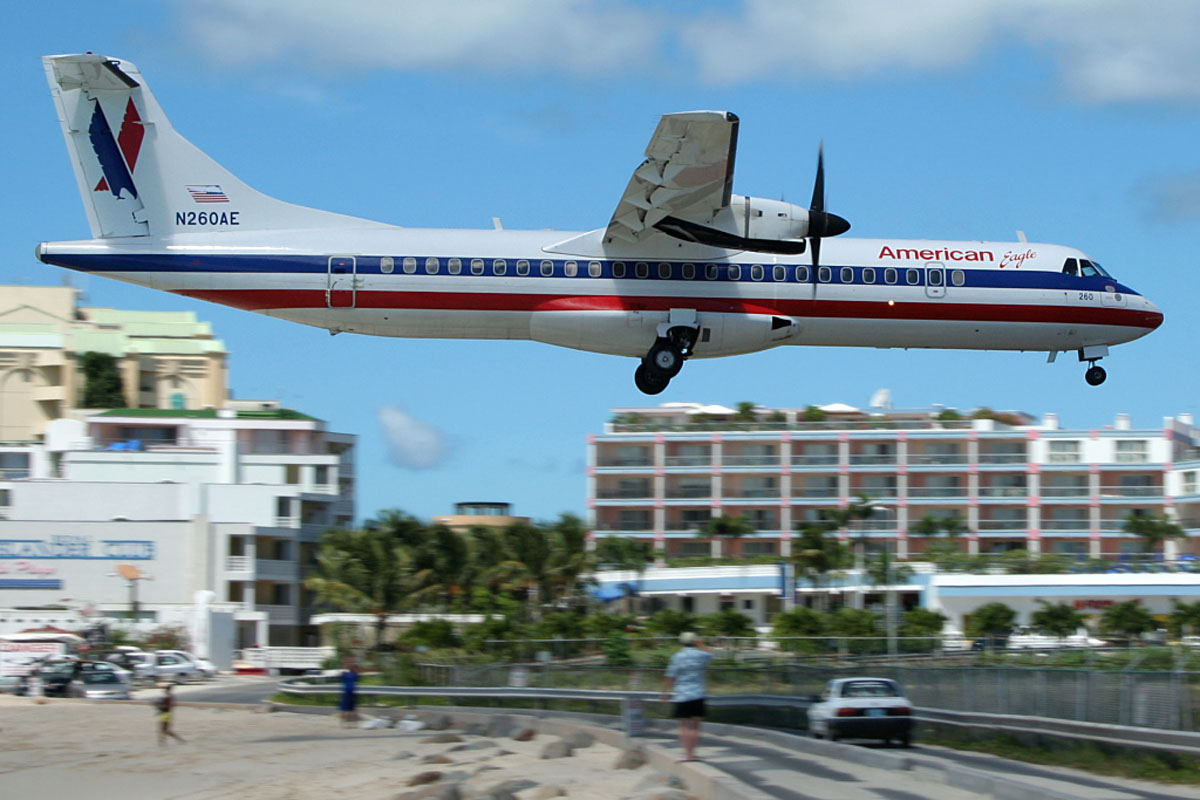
point(138, 176)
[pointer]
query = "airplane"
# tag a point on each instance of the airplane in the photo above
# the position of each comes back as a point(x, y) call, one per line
point(684, 268)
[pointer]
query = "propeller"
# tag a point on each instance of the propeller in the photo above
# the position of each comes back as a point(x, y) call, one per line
point(820, 222)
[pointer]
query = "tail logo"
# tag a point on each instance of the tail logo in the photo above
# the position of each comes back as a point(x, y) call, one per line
point(117, 155)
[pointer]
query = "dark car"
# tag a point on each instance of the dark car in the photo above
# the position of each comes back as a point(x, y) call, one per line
point(57, 675)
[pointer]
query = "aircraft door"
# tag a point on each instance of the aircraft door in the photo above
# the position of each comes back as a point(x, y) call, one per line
point(935, 279)
point(342, 283)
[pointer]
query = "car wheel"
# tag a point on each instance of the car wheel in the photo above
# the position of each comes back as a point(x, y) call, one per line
point(906, 740)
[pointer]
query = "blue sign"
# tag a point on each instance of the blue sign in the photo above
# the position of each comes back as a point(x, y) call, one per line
point(78, 547)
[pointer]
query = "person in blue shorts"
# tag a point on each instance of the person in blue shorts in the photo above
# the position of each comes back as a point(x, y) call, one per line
point(348, 702)
point(685, 684)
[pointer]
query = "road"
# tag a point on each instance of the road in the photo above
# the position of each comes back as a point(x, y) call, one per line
point(790, 774)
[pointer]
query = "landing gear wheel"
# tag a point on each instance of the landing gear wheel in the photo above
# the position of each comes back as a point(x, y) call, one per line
point(648, 381)
point(666, 358)
point(1095, 375)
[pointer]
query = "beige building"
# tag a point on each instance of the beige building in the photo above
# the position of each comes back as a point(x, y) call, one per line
point(479, 514)
point(167, 359)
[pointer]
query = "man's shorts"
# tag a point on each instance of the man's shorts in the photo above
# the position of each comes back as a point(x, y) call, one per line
point(688, 709)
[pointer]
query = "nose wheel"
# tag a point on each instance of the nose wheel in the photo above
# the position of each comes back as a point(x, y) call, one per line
point(1095, 375)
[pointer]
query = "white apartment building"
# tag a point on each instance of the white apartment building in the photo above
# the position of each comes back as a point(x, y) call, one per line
point(662, 472)
point(230, 501)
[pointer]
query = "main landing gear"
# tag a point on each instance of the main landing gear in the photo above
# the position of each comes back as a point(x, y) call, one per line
point(1095, 374)
point(664, 360)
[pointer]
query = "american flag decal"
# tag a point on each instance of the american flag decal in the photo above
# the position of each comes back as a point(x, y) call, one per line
point(208, 194)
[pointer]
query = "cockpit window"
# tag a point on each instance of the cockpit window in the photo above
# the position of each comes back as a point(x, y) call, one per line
point(1071, 267)
point(1091, 269)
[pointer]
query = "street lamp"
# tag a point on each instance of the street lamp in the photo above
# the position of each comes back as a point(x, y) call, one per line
point(131, 575)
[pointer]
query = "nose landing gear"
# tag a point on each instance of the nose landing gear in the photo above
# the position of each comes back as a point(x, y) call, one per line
point(1095, 374)
point(664, 359)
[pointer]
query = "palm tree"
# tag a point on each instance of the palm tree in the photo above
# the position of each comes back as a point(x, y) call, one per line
point(364, 571)
point(746, 412)
point(993, 621)
point(628, 554)
point(1056, 620)
point(1185, 618)
point(1127, 619)
point(816, 554)
point(727, 528)
point(1152, 529)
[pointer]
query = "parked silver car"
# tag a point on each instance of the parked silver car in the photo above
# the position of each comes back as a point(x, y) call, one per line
point(99, 685)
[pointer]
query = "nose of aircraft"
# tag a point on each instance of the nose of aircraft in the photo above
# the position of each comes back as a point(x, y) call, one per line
point(1152, 316)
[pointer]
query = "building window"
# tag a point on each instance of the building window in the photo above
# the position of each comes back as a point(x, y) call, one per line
point(1064, 452)
point(757, 549)
point(291, 474)
point(693, 549)
point(1189, 482)
point(1132, 451)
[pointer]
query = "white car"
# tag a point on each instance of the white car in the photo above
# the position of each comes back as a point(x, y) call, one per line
point(203, 665)
point(862, 708)
point(155, 665)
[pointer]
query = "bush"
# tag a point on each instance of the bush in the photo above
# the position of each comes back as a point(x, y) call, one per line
point(437, 633)
point(726, 623)
point(617, 652)
point(671, 622)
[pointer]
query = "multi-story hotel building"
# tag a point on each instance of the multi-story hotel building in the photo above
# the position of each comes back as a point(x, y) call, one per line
point(1015, 482)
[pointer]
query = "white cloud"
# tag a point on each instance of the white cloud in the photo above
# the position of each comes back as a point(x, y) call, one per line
point(412, 443)
point(571, 36)
point(1172, 198)
point(1105, 51)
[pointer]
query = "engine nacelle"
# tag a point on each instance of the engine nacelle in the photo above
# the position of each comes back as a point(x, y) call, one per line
point(747, 223)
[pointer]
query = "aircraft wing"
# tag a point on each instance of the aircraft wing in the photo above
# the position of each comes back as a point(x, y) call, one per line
point(688, 172)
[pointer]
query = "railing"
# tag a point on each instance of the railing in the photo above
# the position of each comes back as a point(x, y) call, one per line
point(937, 491)
point(688, 461)
point(1002, 458)
point(875, 460)
point(771, 491)
point(690, 492)
point(1064, 491)
point(1003, 491)
point(625, 494)
point(285, 657)
point(1131, 491)
point(1066, 525)
point(1002, 524)
point(237, 564)
point(15, 474)
point(814, 461)
point(926, 459)
point(750, 461)
point(624, 462)
point(626, 526)
point(819, 492)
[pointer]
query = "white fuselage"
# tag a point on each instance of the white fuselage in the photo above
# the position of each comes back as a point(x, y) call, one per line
point(499, 284)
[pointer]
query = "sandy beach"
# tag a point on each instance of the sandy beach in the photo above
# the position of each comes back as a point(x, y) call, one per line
point(68, 748)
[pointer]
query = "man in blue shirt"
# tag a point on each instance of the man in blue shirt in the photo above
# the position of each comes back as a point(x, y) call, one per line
point(685, 684)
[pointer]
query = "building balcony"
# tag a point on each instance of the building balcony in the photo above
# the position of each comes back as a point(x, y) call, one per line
point(1130, 491)
point(625, 494)
point(624, 527)
point(1009, 459)
point(1064, 491)
point(238, 564)
point(280, 615)
point(815, 493)
point(815, 461)
point(750, 461)
point(273, 569)
point(935, 459)
point(772, 493)
point(688, 461)
point(1003, 525)
point(873, 461)
point(986, 492)
point(624, 463)
point(1081, 525)
point(694, 493)
point(939, 492)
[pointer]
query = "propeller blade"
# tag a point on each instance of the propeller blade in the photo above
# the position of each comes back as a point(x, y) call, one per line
point(820, 222)
point(818, 196)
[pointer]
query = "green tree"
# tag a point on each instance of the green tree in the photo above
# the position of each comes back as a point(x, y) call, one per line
point(1058, 619)
point(624, 553)
point(1152, 529)
point(1185, 618)
point(727, 622)
point(991, 621)
point(800, 629)
point(671, 622)
point(815, 414)
point(102, 387)
point(1126, 619)
point(922, 622)
point(725, 528)
point(816, 553)
point(365, 571)
point(746, 412)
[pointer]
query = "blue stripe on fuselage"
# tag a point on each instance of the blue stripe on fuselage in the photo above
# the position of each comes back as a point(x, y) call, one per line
point(370, 265)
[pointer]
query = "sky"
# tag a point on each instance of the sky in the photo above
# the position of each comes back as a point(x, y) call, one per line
point(1076, 121)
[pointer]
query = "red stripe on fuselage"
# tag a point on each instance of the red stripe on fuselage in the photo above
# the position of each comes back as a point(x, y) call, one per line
point(268, 299)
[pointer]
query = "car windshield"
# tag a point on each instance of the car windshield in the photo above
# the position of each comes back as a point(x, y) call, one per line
point(100, 677)
point(870, 689)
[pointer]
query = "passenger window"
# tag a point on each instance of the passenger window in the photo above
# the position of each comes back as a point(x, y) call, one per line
point(476, 266)
point(387, 264)
point(889, 275)
point(410, 265)
point(935, 277)
point(547, 269)
point(958, 277)
point(756, 272)
point(824, 274)
point(1071, 267)
point(779, 272)
point(711, 271)
point(570, 269)
point(641, 269)
point(431, 266)
point(912, 276)
point(522, 267)
point(594, 269)
point(618, 269)
point(802, 274)
point(735, 272)
point(499, 266)
point(689, 272)
point(847, 275)
point(454, 265)
point(868, 274)
point(664, 271)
